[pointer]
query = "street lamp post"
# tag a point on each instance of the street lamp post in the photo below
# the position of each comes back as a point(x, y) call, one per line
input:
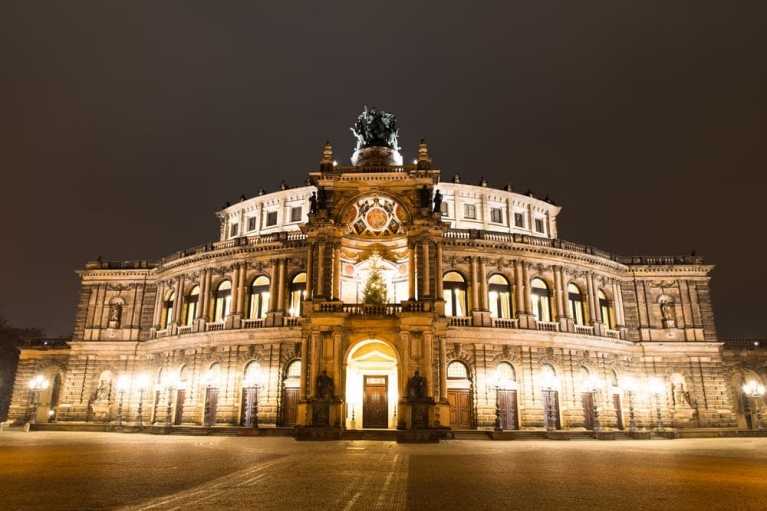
point(123, 383)
point(592, 385)
point(657, 389)
point(36, 385)
point(630, 385)
point(755, 391)
point(549, 383)
point(142, 382)
point(170, 382)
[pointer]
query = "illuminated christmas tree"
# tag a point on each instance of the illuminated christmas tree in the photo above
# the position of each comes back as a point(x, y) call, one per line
point(374, 291)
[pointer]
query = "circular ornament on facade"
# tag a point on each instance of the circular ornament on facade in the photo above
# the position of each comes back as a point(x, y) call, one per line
point(349, 269)
point(377, 219)
point(403, 269)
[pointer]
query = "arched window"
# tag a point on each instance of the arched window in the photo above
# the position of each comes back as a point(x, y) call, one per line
point(605, 309)
point(506, 372)
point(541, 300)
point(297, 295)
point(457, 371)
point(190, 302)
point(253, 377)
point(499, 292)
point(293, 370)
point(223, 301)
point(454, 293)
point(167, 309)
point(259, 298)
point(575, 300)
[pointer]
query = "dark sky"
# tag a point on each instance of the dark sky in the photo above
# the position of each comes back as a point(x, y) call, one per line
point(126, 125)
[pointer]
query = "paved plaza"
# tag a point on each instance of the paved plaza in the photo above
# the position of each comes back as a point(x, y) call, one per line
point(78, 470)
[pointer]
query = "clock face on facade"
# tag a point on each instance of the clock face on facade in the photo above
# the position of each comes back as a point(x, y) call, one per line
point(375, 217)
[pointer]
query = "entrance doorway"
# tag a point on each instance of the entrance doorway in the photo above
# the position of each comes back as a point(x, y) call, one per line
point(460, 408)
point(375, 405)
point(587, 399)
point(507, 400)
point(371, 385)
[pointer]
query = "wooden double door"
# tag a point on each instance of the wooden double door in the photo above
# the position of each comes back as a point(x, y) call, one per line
point(460, 408)
point(375, 402)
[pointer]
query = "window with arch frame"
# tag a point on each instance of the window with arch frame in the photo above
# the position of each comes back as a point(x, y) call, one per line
point(258, 300)
point(297, 295)
point(454, 292)
point(499, 297)
point(575, 301)
point(191, 303)
point(605, 308)
point(540, 296)
point(223, 301)
point(457, 371)
point(167, 309)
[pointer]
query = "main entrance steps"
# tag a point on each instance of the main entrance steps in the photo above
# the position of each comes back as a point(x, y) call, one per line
point(369, 434)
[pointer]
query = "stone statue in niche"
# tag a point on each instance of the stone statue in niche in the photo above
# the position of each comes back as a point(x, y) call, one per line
point(115, 315)
point(102, 392)
point(668, 313)
point(324, 386)
point(416, 387)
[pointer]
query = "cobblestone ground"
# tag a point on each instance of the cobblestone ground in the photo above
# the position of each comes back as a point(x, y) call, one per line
point(64, 470)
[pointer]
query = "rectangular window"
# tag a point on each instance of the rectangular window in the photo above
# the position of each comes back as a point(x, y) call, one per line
point(519, 219)
point(470, 211)
point(496, 215)
point(271, 218)
point(539, 225)
point(295, 214)
point(252, 223)
point(234, 229)
point(444, 209)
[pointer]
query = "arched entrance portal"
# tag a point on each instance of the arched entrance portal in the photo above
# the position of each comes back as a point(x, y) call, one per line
point(371, 386)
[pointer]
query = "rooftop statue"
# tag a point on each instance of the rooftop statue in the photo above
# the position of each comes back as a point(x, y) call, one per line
point(376, 128)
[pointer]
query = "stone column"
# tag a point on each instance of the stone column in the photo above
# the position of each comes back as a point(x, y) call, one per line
point(426, 269)
point(519, 288)
point(281, 285)
point(303, 393)
point(204, 312)
point(618, 305)
point(273, 286)
point(158, 304)
point(593, 291)
point(428, 363)
point(442, 369)
point(438, 270)
point(526, 280)
point(321, 270)
point(310, 272)
point(411, 270)
point(474, 285)
point(177, 303)
point(483, 293)
point(561, 292)
point(336, 294)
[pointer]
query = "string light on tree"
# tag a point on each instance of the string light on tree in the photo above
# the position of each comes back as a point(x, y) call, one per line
point(374, 291)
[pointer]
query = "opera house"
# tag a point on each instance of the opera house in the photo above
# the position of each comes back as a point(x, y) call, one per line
point(384, 296)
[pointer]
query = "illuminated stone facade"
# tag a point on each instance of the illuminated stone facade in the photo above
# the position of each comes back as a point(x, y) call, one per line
point(490, 321)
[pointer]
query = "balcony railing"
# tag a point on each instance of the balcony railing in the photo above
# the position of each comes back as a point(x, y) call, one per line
point(45, 343)
point(547, 326)
point(217, 326)
point(584, 330)
point(253, 323)
point(745, 344)
point(505, 323)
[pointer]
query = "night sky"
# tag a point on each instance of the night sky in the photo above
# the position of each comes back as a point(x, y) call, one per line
point(126, 125)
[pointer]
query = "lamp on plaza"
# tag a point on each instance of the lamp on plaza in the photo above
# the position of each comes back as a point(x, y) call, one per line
point(123, 384)
point(592, 384)
point(630, 386)
point(169, 383)
point(656, 387)
point(549, 384)
point(253, 380)
point(142, 383)
point(210, 380)
point(36, 385)
point(755, 391)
